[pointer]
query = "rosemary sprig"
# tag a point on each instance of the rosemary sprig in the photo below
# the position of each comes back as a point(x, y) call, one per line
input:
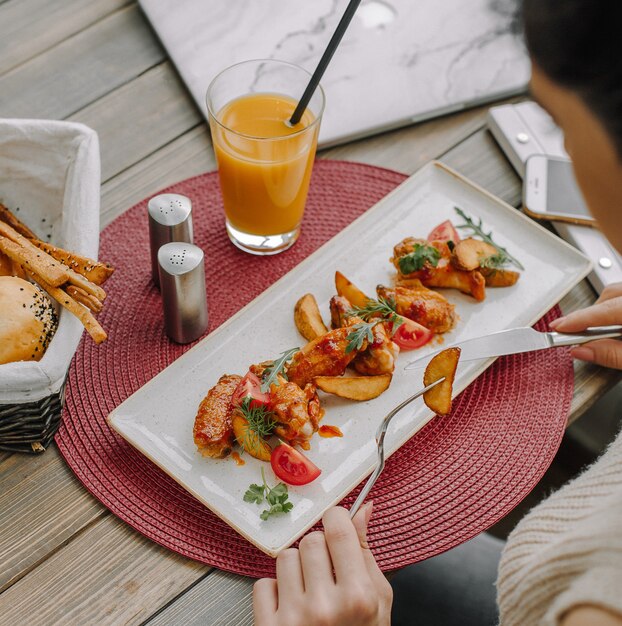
point(382, 310)
point(358, 334)
point(503, 257)
point(277, 367)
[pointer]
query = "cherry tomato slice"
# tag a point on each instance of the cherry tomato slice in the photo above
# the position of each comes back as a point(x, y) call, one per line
point(444, 232)
point(410, 335)
point(250, 387)
point(291, 466)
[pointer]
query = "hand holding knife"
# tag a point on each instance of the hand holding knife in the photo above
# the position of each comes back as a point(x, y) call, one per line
point(518, 340)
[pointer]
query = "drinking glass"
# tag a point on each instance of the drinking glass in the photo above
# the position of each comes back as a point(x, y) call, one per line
point(264, 163)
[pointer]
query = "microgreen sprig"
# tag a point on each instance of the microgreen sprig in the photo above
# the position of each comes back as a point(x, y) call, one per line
point(277, 497)
point(275, 368)
point(496, 260)
point(421, 254)
point(260, 422)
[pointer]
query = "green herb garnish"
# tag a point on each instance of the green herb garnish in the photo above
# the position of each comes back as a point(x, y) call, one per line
point(260, 422)
point(416, 260)
point(503, 257)
point(383, 310)
point(277, 497)
point(358, 334)
point(277, 367)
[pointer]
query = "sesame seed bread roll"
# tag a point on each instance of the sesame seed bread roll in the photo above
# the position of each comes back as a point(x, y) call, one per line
point(28, 320)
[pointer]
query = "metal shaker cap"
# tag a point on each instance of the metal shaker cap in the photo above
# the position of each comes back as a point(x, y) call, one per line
point(170, 219)
point(182, 283)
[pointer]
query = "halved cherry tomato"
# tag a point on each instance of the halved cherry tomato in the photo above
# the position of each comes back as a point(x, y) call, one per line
point(410, 335)
point(250, 387)
point(444, 232)
point(291, 466)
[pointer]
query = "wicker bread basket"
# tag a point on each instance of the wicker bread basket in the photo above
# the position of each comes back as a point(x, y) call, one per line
point(49, 175)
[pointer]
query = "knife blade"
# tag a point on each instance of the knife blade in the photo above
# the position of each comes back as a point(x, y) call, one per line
point(518, 340)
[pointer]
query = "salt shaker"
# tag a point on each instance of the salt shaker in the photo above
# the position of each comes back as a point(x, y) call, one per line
point(182, 284)
point(170, 219)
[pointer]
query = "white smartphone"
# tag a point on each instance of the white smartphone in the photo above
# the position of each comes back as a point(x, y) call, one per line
point(550, 191)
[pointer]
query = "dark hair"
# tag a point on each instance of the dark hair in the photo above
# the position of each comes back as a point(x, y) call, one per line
point(578, 44)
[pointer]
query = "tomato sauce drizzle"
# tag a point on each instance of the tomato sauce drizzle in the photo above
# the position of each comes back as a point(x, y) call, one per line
point(329, 431)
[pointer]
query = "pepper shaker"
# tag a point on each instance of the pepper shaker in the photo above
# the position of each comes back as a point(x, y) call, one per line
point(170, 219)
point(182, 283)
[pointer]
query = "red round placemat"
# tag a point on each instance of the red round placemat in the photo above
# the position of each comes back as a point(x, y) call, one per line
point(454, 479)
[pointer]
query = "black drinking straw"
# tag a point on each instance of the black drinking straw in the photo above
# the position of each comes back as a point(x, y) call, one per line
point(324, 61)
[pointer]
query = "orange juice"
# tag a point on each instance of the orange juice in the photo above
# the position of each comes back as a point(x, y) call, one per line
point(264, 164)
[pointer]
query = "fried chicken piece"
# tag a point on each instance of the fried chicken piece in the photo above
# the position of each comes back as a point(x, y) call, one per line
point(297, 411)
point(420, 304)
point(324, 356)
point(379, 357)
point(444, 274)
point(339, 308)
point(213, 432)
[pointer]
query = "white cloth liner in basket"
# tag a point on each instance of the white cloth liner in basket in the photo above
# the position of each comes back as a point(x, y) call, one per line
point(51, 171)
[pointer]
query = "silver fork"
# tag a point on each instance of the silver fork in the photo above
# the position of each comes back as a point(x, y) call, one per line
point(380, 433)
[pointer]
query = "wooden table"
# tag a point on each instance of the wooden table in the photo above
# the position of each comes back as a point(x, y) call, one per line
point(64, 559)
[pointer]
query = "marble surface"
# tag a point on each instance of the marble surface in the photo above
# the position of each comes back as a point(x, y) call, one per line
point(400, 61)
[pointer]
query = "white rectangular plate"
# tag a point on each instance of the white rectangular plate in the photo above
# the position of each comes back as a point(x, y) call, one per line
point(158, 418)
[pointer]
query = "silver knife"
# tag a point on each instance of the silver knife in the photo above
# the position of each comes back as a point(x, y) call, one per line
point(518, 340)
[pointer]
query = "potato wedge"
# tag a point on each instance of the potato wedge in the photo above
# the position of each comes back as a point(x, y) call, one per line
point(468, 253)
point(350, 291)
point(499, 278)
point(308, 319)
point(248, 439)
point(354, 388)
point(443, 364)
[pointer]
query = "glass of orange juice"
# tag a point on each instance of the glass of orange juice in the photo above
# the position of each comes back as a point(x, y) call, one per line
point(264, 163)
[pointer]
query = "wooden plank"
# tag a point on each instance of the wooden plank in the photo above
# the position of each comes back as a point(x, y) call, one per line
point(82, 68)
point(139, 118)
point(29, 27)
point(42, 505)
point(188, 155)
point(408, 149)
point(109, 574)
point(219, 599)
point(481, 160)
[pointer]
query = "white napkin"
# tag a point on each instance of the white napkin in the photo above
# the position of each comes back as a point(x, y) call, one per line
point(50, 171)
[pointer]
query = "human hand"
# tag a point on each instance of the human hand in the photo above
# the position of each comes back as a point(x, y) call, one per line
point(307, 593)
point(605, 312)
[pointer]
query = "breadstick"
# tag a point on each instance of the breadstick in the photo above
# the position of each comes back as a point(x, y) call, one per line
point(6, 265)
point(30, 256)
point(83, 314)
point(17, 270)
point(94, 271)
point(79, 281)
point(12, 220)
point(81, 296)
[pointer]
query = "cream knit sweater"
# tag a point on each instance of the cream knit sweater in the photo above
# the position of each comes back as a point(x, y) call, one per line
point(568, 550)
